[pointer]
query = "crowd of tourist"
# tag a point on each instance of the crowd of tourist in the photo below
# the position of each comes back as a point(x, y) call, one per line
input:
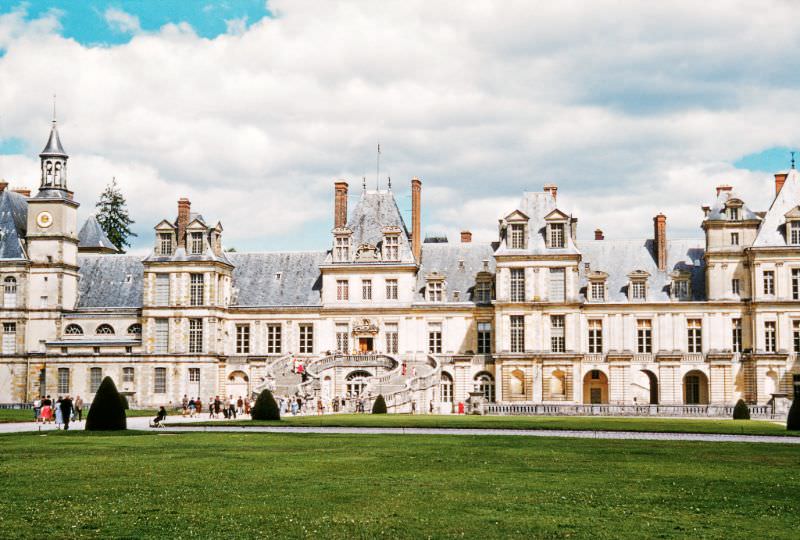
point(62, 412)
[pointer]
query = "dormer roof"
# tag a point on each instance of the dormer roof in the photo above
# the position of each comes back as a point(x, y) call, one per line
point(772, 232)
point(92, 238)
point(536, 207)
point(556, 215)
point(726, 198)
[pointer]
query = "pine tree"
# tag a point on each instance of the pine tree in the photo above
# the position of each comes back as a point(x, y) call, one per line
point(112, 215)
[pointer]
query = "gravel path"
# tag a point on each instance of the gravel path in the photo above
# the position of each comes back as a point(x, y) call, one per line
point(142, 424)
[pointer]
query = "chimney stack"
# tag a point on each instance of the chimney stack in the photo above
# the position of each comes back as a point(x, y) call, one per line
point(466, 237)
point(780, 179)
point(3, 185)
point(340, 205)
point(183, 220)
point(552, 189)
point(25, 192)
point(723, 187)
point(660, 241)
point(416, 220)
point(598, 234)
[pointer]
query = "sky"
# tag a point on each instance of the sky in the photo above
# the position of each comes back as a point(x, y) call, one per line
point(253, 109)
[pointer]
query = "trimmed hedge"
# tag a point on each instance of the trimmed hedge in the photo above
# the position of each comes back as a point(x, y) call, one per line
point(793, 420)
point(265, 407)
point(379, 407)
point(124, 400)
point(741, 411)
point(106, 412)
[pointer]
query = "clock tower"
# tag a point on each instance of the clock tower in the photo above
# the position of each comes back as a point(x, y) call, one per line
point(52, 236)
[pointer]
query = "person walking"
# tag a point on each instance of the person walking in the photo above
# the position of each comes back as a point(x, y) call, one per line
point(37, 409)
point(66, 411)
point(79, 408)
point(191, 408)
point(231, 407)
point(240, 405)
point(294, 408)
point(59, 417)
point(198, 406)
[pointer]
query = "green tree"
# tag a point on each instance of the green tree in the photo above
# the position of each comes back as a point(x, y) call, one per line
point(793, 421)
point(741, 411)
point(112, 215)
point(106, 412)
point(379, 407)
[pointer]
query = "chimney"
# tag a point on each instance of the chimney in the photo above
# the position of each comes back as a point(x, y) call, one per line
point(780, 179)
point(3, 185)
point(25, 192)
point(466, 237)
point(706, 210)
point(598, 234)
point(660, 241)
point(340, 204)
point(552, 189)
point(723, 187)
point(416, 224)
point(183, 220)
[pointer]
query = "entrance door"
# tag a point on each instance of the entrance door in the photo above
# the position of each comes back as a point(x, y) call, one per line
point(365, 344)
point(595, 396)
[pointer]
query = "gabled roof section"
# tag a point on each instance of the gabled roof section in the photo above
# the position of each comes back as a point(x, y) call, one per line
point(110, 281)
point(93, 237)
point(772, 232)
point(556, 215)
point(516, 215)
point(374, 211)
point(538, 205)
point(717, 212)
point(13, 225)
point(277, 279)
point(458, 264)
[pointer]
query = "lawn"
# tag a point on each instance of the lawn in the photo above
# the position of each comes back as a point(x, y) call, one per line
point(670, 425)
point(208, 485)
point(26, 415)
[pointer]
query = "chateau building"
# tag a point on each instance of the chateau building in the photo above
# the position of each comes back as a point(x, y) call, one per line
point(537, 317)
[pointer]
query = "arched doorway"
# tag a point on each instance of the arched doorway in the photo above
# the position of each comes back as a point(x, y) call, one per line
point(238, 384)
point(516, 383)
point(558, 385)
point(484, 383)
point(356, 383)
point(770, 385)
point(446, 387)
point(650, 387)
point(595, 387)
point(327, 387)
point(695, 388)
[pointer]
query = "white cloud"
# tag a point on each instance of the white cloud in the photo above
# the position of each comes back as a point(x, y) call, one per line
point(631, 109)
point(236, 27)
point(122, 21)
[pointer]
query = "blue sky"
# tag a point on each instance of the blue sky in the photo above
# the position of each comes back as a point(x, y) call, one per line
point(253, 110)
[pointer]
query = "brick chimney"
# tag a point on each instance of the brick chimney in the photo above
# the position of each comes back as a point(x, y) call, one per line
point(780, 179)
point(3, 185)
point(660, 241)
point(25, 192)
point(723, 187)
point(340, 205)
point(598, 234)
point(552, 189)
point(466, 237)
point(416, 218)
point(183, 220)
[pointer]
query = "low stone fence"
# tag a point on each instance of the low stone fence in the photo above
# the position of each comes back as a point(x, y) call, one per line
point(686, 411)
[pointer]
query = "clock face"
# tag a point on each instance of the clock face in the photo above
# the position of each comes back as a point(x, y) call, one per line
point(44, 219)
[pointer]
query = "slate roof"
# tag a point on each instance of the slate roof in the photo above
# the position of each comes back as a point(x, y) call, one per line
point(618, 258)
point(773, 228)
point(717, 211)
point(375, 210)
point(13, 224)
point(255, 278)
point(53, 146)
point(110, 281)
point(92, 235)
point(444, 259)
point(537, 205)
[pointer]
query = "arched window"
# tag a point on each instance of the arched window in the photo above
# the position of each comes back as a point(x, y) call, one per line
point(73, 330)
point(10, 292)
point(356, 383)
point(135, 329)
point(104, 330)
point(557, 386)
point(484, 383)
point(447, 388)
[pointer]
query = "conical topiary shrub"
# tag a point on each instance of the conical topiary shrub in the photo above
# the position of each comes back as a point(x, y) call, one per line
point(379, 407)
point(265, 407)
point(106, 412)
point(741, 411)
point(793, 420)
point(124, 400)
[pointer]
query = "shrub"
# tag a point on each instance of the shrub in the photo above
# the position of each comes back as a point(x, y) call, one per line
point(379, 407)
point(265, 407)
point(793, 420)
point(124, 400)
point(741, 411)
point(106, 412)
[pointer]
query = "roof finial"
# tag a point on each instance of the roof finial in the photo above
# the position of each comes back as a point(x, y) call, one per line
point(792, 152)
point(54, 108)
point(390, 183)
point(364, 183)
point(378, 170)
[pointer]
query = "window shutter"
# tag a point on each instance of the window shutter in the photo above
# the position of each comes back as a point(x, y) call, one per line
point(557, 288)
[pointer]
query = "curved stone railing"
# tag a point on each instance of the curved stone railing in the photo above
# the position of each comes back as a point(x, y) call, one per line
point(315, 368)
point(396, 401)
point(275, 364)
point(553, 409)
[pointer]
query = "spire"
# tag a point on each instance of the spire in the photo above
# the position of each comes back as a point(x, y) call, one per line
point(53, 146)
point(54, 164)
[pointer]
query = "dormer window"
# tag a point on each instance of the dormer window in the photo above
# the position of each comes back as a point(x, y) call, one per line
point(733, 213)
point(164, 244)
point(556, 235)
point(681, 286)
point(597, 286)
point(517, 235)
point(483, 292)
point(556, 232)
point(196, 243)
point(391, 248)
point(435, 287)
point(794, 232)
point(637, 286)
point(342, 249)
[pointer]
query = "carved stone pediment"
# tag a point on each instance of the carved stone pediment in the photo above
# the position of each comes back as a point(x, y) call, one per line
point(367, 253)
point(365, 327)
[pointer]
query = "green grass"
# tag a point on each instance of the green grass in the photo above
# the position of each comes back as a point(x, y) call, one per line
point(26, 415)
point(211, 485)
point(605, 423)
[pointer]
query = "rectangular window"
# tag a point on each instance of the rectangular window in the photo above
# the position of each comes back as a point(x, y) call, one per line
point(694, 330)
point(681, 289)
point(162, 335)
point(736, 286)
point(734, 238)
point(796, 336)
point(162, 289)
point(595, 336)
point(517, 284)
point(242, 339)
point(598, 291)
point(556, 235)
point(736, 330)
point(127, 375)
point(196, 289)
point(557, 289)
point(391, 289)
point(343, 338)
point(194, 375)
point(483, 292)
point(195, 335)
point(391, 248)
point(517, 236)
point(795, 283)
point(342, 289)
point(306, 338)
point(95, 378)
point(435, 291)
point(9, 338)
point(160, 380)
point(165, 243)
point(644, 336)
point(769, 282)
point(366, 289)
point(197, 243)
point(63, 380)
point(274, 340)
point(9, 292)
point(769, 336)
point(342, 248)
point(638, 290)
point(517, 333)
point(484, 338)
point(392, 338)
point(795, 232)
point(435, 338)
point(557, 338)
point(733, 214)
